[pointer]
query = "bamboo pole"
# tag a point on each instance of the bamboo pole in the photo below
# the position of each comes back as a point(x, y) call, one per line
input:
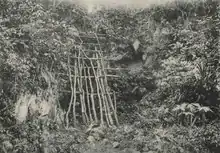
point(84, 103)
point(87, 95)
point(92, 98)
point(82, 96)
point(97, 85)
point(106, 83)
point(109, 97)
point(105, 102)
point(73, 96)
point(115, 102)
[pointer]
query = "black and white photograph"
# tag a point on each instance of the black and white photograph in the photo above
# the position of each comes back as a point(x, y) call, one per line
point(109, 76)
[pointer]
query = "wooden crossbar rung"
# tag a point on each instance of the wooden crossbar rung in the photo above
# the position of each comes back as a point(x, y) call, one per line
point(89, 76)
point(91, 33)
point(90, 50)
point(92, 37)
point(83, 43)
point(78, 92)
point(116, 69)
point(92, 58)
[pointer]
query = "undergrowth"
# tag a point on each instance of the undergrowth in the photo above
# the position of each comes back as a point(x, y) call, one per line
point(169, 103)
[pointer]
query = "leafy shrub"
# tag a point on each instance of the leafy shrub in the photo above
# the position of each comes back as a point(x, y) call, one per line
point(211, 136)
point(190, 114)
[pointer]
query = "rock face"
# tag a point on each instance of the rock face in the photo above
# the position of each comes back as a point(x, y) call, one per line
point(31, 106)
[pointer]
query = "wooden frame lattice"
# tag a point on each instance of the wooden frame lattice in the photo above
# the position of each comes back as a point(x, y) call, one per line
point(88, 77)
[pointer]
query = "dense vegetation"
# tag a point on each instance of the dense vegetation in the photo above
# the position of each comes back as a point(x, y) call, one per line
point(168, 101)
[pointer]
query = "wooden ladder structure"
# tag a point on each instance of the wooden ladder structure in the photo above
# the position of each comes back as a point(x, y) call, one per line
point(88, 77)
